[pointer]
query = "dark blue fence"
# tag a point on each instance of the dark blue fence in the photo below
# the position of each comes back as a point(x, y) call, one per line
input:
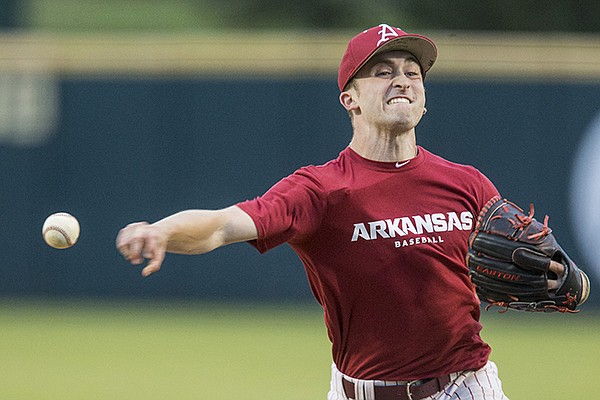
point(128, 150)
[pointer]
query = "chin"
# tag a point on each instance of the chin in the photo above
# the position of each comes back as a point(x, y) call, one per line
point(404, 124)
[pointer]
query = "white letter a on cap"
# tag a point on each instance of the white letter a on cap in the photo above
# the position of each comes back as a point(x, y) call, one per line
point(386, 32)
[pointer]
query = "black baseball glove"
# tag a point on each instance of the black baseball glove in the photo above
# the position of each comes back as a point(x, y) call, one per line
point(515, 262)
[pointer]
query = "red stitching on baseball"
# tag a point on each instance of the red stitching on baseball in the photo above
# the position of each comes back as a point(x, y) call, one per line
point(59, 230)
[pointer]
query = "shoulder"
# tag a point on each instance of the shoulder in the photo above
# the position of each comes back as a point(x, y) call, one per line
point(450, 166)
point(325, 173)
point(466, 177)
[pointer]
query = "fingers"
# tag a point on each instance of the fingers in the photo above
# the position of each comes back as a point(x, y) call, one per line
point(152, 267)
point(130, 243)
point(559, 270)
point(141, 241)
point(154, 252)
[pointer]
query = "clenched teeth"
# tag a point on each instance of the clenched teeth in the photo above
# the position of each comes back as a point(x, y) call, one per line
point(396, 100)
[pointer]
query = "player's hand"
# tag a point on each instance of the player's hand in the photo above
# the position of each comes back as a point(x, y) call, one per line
point(559, 270)
point(141, 241)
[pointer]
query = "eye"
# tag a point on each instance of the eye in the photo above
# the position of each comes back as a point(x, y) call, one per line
point(383, 72)
point(413, 73)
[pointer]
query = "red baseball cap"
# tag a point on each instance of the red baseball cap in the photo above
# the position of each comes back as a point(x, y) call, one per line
point(379, 39)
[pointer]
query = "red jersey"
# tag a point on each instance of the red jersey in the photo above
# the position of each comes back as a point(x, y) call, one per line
point(384, 249)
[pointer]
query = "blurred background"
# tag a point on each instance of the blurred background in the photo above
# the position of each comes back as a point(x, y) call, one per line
point(119, 111)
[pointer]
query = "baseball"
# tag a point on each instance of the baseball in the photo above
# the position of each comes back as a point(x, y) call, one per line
point(61, 230)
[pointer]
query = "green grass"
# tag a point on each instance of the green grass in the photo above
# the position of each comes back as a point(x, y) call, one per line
point(546, 356)
point(76, 350)
point(155, 351)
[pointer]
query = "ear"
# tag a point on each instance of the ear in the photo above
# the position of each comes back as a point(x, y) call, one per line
point(348, 101)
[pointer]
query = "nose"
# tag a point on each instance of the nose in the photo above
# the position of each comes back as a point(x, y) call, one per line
point(401, 81)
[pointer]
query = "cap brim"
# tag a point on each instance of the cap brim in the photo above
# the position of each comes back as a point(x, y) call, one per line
point(419, 46)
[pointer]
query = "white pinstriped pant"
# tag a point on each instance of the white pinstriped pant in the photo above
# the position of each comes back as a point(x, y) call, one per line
point(482, 384)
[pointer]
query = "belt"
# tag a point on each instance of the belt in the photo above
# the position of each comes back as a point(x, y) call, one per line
point(413, 390)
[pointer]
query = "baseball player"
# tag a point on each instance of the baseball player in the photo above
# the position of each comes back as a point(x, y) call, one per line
point(382, 231)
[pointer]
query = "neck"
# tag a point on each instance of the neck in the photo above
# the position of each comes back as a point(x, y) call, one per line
point(385, 147)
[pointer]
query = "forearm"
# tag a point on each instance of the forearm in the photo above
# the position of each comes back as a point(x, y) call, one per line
point(187, 232)
point(192, 231)
point(200, 231)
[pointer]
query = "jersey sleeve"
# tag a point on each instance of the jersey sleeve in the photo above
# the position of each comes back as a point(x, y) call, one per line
point(288, 211)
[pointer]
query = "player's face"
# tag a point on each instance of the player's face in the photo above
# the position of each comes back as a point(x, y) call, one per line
point(389, 91)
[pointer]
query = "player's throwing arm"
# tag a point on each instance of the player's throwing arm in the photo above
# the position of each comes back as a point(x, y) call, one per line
point(187, 232)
